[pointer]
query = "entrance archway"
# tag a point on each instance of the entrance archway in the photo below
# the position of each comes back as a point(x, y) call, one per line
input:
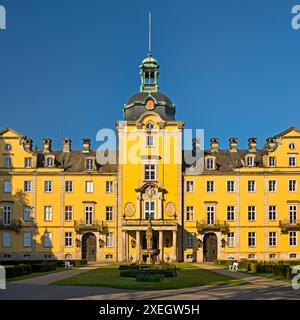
point(89, 247)
point(210, 247)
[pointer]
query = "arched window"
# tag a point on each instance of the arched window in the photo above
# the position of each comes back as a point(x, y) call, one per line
point(149, 125)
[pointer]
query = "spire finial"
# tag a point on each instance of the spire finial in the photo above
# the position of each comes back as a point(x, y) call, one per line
point(150, 21)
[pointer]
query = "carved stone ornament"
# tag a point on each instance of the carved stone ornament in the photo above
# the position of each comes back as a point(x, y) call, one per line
point(129, 209)
point(150, 192)
point(170, 209)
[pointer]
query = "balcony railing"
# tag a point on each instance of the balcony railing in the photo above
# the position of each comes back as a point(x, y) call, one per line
point(289, 225)
point(154, 222)
point(83, 226)
point(13, 225)
point(217, 225)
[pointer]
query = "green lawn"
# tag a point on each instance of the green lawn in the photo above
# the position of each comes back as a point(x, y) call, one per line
point(35, 274)
point(188, 276)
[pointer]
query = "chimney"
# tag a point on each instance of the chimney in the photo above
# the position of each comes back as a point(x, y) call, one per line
point(233, 144)
point(252, 142)
point(67, 145)
point(271, 143)
point(214, 144)
point(196, 146)
point(86, 145)
point(47, 145)
point(27, 144)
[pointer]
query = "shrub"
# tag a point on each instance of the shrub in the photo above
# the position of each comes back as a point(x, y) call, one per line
point(75, 263)
point(149, 276)
point(44, 267)
point(17, 270)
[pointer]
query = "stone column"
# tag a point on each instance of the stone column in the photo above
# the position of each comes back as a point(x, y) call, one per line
point(126, 246)
point(123, 245)
point(138, 244)
point(161, 244)
point(174, 249)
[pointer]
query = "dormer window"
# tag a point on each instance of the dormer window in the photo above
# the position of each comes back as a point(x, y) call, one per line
point(149, 125)
point(210, 163)
point(50, 162)
point(272, 162)
point(292, 161)
point(7, 162)
point(89, 164)
point(250, 161)
point(7, 147)
point(292, 146)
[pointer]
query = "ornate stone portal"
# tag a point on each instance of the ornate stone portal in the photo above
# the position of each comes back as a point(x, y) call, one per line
point(150, 252)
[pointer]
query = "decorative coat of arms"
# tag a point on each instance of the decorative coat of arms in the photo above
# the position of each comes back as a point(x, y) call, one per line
point(129, 209)
point(170, 209)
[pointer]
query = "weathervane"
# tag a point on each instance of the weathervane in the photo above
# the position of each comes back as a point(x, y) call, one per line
point(150, 18)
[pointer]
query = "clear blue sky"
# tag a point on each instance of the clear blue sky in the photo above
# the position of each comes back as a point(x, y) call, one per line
point(68, 66)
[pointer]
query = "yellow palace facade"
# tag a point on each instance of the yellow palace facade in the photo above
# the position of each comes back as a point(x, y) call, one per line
point(66, 204)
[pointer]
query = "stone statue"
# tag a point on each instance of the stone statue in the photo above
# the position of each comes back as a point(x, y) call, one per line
point(149, 235)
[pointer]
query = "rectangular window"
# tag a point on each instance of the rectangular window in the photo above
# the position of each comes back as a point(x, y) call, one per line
point(293, 214)
point(292, 161)
point(89, 186)
point(292, 185)
point(68, 213)
point(251, 213)
point(210, 186)
point(68, 186)
point(149, 207)
point(251, 186)
point(210, 215)
point(190, 240)
point(109, 239)
point(108, 186)
point(293, 238)
point(230, 186)
point(89, 214)
point(150, 172)
point(89, 164)
point(7, 214)
point(272, 185)
point(47, 239)
point(27, 213)
point(68, 239)
point(210, 164)
point(27, 186)
point(27, 239)
point(109, 213)
point(251, 239)
point(272, 213)
point(272, 162)
point(27, 162)
point(272, 239)
point(230, 213)
point(230, 240)
point(48, 213)
point(250, 161)
point(149, 141)
point(7, 186)
point(48, 186)
point(49, 162)
point(7, 239)
point(190, 186)
point(189, 213)
point(7, 162)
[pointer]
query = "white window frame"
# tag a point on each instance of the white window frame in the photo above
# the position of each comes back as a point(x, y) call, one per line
point(7, 239)
point(272, 213)
point(7, 214)
point(151, 211)
point(27, 186)
point(7, 162)
point(27, 239)
point(27, 162)
point(210, 214)
point(89, 164)
point(230, 186)
point(272, 185)
point(210, 186)
point(251, 213)
point(68, 239)
point(294, 185)
point(48, 187)
point(49, 162)
point(292, 161)
point(251, 185)
point(250, 161)
point(27, 213)
point(109, 239)
point(109, 213)
point(190, 186)
point(47, 239)
point(272, 162)
point(230, 213)
point(273, 239)
point(231, 239)
point(69, 186)
point(252, 237)
point(150, 169)
point(48, 213)
point(190, 210)
point(108, 186)
point(149, 143)
point(293, 235)
point(89, 186)
point(68, 213)
point(190, 240)
point(7, 186)
point(89, 214)
point(210, 163)
point(293, 213)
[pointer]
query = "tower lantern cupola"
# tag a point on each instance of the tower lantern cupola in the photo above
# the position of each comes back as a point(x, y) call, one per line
point(149, 74)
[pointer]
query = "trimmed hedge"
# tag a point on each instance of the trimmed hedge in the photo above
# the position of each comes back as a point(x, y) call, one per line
point(43, 267)
point(17, 270)
point(74, 263)
point(149, 277)
point(17, 262)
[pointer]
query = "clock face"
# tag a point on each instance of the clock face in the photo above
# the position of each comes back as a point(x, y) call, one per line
point(150, 104)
